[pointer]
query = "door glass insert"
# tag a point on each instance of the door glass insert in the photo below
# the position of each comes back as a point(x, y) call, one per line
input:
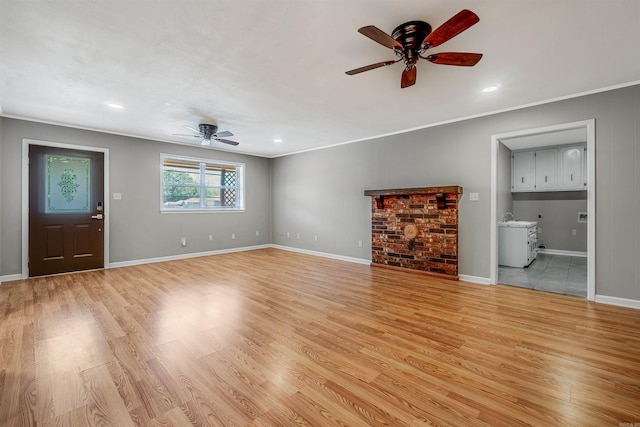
point(68, 184)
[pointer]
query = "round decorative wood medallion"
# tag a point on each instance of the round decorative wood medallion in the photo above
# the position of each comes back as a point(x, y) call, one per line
point(411, 231)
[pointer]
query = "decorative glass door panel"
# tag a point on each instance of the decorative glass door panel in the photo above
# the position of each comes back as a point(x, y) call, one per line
point(68, 184)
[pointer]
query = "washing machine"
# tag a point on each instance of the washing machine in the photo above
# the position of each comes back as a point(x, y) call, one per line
point(517, 243)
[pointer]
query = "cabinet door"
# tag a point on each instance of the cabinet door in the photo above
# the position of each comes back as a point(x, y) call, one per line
point(571, 168)
point(523, 171)
point(547, 169)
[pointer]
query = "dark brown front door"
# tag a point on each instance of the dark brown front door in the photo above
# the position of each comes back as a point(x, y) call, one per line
point(66, 215)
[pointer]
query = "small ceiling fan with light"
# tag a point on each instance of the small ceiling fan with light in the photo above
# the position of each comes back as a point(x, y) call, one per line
point(208, 133)
point(411, 40)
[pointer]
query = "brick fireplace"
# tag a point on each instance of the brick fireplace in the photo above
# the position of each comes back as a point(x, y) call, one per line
point(416, 229)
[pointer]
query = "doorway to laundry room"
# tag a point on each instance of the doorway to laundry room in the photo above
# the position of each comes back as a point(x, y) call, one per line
point(543, 197)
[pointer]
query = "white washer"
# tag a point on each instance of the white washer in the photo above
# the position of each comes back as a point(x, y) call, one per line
point(517, 243)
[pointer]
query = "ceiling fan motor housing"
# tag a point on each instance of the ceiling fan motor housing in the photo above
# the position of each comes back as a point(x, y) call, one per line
point(207, 130)
point(411, 35)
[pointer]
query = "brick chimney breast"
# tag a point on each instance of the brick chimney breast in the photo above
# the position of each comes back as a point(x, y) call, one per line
point(416, 229)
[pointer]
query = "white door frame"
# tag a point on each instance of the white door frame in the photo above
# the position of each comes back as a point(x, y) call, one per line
point(589, 125)
point(25, 195)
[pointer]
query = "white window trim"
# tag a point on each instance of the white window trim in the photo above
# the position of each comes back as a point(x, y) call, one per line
point(240, 167)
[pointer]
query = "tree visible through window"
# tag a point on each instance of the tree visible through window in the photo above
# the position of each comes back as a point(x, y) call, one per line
point(197, 184)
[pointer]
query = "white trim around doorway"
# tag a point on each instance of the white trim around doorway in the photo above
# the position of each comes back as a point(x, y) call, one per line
point(25, 195)
point(589, 125)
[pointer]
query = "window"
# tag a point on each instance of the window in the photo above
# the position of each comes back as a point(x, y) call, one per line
point(189, 184)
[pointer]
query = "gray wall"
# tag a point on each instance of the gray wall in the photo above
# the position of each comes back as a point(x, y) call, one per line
point(2, 179)
point(559, 217)
point(321, 192)
point(138, 229)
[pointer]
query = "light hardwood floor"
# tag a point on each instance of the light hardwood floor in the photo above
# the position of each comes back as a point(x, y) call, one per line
point(273, 338)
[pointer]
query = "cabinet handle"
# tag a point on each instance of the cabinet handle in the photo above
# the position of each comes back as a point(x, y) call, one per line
point(523, 179)
point(571, 177)
point(545, 178)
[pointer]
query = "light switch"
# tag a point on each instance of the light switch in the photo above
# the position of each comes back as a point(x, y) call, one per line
point(117, 196)
point(474, 197)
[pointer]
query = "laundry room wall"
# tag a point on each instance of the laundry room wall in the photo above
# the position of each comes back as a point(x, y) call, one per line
point(558, 227)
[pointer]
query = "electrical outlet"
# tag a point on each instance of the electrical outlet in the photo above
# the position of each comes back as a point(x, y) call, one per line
point(298, 236)
point(315, 238)
point(574, 232)
point(117, 196)
point(257, 232)
point(474, 197)
point(360, 243)
point(288, 235)
point(210, 236)
point(183, 242)
point(233, 236)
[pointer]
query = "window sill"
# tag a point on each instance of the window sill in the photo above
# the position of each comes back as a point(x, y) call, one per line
point(202, 211)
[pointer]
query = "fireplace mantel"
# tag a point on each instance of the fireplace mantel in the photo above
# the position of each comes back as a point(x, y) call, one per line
point(409, 191)
point(416, 229)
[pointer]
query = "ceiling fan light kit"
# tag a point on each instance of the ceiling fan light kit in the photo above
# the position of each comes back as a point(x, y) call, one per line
point(209, 132)
point(411, 40)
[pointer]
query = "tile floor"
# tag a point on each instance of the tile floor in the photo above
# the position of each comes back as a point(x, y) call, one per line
point(551, 273)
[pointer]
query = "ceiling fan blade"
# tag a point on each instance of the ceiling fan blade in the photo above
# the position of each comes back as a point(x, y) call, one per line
point(379, 36)
point(370, 67)
point(182, 134)
point(408, 77)
point(190, 128)
point(454, 26)
point(455, 58)
point(226, 141)
point(224, 133)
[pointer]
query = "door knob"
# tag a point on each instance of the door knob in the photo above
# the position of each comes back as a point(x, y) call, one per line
point(99, 216)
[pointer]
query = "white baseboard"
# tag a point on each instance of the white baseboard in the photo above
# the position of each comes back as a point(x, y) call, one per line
point(323, 254)
point(622, 302)
point(562, 252)
point(11, 277)
point(603, 299)
point(475, 279)
point(463, 277)
point(184, 256)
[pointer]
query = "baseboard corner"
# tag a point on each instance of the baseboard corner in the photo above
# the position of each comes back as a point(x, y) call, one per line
point(475, 279)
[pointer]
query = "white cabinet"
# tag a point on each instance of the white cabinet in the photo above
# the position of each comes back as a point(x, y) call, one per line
point(560, 168)
point(546, 169)
point(523, 171)
point(571, 172)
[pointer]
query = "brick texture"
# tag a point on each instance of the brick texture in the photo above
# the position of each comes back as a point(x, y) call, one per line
point(434, 249)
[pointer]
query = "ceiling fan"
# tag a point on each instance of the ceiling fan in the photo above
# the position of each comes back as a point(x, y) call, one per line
point(209, 132)
point(412, 39)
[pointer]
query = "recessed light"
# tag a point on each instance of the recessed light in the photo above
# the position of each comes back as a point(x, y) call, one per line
point(491, 88)
point(114, 106)
point(277, 140)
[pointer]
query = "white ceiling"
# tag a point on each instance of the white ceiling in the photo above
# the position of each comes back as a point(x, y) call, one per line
point(267, 69)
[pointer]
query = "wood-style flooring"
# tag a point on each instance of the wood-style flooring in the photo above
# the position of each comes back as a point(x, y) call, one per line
point(274, 338)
